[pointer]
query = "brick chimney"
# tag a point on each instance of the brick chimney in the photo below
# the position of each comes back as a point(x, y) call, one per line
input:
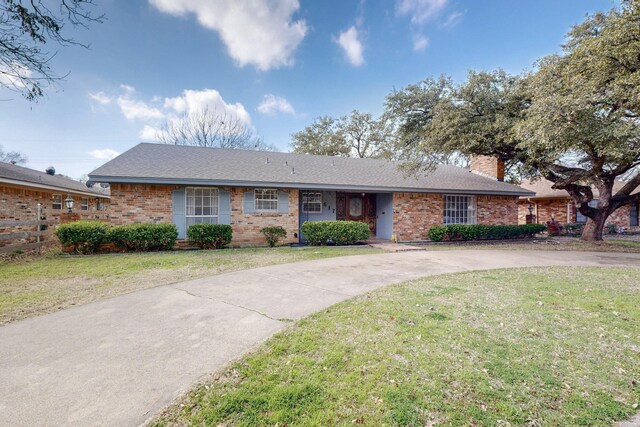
point(488, 166)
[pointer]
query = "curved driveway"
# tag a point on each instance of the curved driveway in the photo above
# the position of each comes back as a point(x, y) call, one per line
point(121, 360)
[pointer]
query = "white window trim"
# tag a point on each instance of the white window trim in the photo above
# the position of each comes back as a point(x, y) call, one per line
point(53, 203)
point(84, 206)
point(473, 202)
point(307, 193)
point(186, 205)
point(255, 200)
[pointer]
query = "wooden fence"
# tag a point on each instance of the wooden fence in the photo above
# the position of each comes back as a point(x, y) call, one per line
point(22, 235)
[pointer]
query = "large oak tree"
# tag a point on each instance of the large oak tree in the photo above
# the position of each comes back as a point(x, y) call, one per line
point(575, 120)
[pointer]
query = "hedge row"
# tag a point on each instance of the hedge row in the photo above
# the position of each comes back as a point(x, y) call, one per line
point(335, 232)
point(483, 232)
point(87, 236)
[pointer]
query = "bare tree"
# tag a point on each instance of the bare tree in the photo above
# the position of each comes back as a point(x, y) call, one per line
point(25, 27)
point(14, 157)
point(211, 128)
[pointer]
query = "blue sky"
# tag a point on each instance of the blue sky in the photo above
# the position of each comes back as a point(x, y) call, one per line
point(276, 64)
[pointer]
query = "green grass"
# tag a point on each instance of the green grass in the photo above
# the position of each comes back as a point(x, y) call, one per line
point(534, 347)
point(43, 285)
point(549, 244)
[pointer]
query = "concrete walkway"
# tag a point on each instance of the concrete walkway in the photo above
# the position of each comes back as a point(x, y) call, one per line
point(119, 361)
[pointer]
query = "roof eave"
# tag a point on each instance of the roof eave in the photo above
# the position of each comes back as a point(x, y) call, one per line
point(298, 185)
point(17, 182)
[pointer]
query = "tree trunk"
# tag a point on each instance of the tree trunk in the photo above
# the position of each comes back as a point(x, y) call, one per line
point(593, 228)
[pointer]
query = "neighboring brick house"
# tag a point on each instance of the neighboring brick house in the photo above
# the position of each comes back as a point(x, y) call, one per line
point(548, 203)
point(252, 189)
point(22, 189)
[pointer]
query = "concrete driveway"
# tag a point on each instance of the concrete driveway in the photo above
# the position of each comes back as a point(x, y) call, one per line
point(121, 360)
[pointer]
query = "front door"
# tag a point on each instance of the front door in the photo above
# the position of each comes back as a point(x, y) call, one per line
point(357, 207)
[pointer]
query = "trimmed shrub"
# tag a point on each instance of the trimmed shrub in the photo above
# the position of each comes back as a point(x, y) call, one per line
point(336, 232)
point(83, 236)
point(274, 234)
point(209, 236)
point(465, 232)
point(144, 237)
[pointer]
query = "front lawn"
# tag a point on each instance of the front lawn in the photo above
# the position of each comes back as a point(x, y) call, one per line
point(544, 244)
point(526, 347)
point(49, 284)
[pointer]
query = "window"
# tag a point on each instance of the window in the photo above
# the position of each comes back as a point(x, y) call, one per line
point(459, 210)
point(201, 205)
point(56, 201)
point(266, 200)
point(99, 205)
point(582, 218)
point(84, 204)
point(312, 202)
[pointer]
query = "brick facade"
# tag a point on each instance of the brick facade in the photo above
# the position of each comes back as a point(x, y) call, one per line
point(497, 210)
point(141, 203)
point(564, 211)
point(414, 213)
point(488, 166)
point(246, 227)
point(21, 203)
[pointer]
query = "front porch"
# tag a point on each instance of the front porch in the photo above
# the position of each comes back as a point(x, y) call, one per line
point(374, 209)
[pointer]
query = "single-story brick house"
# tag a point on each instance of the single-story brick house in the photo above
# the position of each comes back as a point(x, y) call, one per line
point(548, 203)
point(22, 189)
point(252, 189)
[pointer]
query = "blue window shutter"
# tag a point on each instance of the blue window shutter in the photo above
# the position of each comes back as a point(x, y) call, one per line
point(633, 215)
point(177, 199)
point(248, 204)
point(224, 207)
point(283, 202)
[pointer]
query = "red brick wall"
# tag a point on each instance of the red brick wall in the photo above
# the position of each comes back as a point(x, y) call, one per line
point(20, 203)
point(246, 227)
point(497, 210)
point(488, 166)
point(139, 203)
point(560, 208)
point(414, 214)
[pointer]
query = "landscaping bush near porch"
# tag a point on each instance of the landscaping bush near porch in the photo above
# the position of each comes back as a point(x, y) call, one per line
point(483, 232)
point(144, 237)
point(209, 236)
point(335, 232)
point(83, 236)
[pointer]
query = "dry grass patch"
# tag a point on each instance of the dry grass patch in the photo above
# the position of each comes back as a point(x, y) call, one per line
point(44, 285)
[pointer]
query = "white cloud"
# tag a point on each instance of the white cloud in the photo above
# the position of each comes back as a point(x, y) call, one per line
point(103, 154)
point(420, 11)
point(138, 110)
point(100, 98)
point(452, 20)
point(272, 104)
point(349, 41)
point(260, 33)
point(193, 101)
point(420, 42)
point(149, 133)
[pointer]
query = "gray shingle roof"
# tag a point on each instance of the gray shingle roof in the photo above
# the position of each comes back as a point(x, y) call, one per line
point(19, 174)
point(160, 163)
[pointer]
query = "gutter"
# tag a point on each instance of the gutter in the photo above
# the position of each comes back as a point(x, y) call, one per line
point(302, 186)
